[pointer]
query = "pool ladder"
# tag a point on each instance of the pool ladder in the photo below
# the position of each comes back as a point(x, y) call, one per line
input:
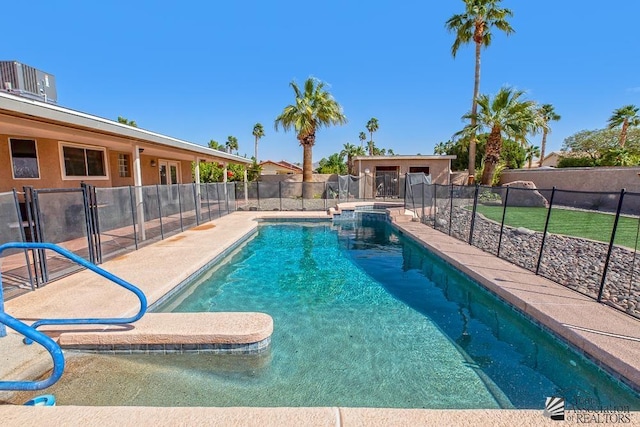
point(32, 334)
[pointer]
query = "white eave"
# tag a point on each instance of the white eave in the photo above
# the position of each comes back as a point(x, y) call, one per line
point(414, 157)
point(53, 113)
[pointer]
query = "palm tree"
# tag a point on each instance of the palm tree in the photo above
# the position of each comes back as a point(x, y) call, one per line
point(531, 152)
point(626, 116)
point(350, 151)
point(547, 114)
point(258, 132)
point(362, 137)
point(231, 144)
point(334, 164)
point(216, 145)
point(505, 115)
point(314, 108)
point(124, 121)
point(372, 126)
point(475, 25)
point(371, 146)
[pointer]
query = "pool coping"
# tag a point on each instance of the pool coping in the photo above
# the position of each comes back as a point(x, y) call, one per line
point(227, 234)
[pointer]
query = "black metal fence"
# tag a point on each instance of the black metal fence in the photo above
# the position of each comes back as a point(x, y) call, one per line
point(301, 196)
point(586, 241)
point(101, 223)
point(97, 224)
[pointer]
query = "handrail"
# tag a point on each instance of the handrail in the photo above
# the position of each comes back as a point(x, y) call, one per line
point(95, 269)
point(52, 347)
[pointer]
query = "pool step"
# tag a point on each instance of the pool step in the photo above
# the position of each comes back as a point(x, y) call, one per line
point(244, 333)
point(400, 215)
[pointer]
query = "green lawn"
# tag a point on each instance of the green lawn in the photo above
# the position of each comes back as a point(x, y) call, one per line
point(590, 225)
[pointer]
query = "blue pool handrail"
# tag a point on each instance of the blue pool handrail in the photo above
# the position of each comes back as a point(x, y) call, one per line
point(52, 347)
point(78, 260)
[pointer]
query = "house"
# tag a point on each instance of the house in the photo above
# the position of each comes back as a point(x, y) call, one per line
point(550, 160)
point(43, 145)
point(270, 167)
point(388, 171)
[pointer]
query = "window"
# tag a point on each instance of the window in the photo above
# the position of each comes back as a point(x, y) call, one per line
point(418, 169)
point(83, 162)
point(24, 158)
point(124, 170)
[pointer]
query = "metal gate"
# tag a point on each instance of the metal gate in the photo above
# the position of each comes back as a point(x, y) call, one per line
point(64, 216)
point(387, 182)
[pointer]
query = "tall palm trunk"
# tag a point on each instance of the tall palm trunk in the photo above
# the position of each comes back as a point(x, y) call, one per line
point(474, 105)
point(307, 169)
point(307, 162)
point(623, 133)
point(492, 155)
point(543, 146)
point(255, 150)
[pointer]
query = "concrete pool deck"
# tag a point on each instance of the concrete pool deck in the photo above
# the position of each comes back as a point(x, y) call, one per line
point(606, 335)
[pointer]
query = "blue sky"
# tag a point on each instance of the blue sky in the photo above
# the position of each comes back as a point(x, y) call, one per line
point(201, 70)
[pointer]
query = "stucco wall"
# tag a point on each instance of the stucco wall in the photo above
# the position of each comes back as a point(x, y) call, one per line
point(50, 168)
point(581, 179)
point(438, 168)
point(114, 172)
point(49, 165)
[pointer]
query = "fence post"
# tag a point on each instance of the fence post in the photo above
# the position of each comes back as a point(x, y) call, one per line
point(473, 214)
point(435, 205)
point(326, 189)
point(450, 207)
point(613, 238)
point(196, 202)
point(546, 227)
point(280, 193)
point(44, 269)
point(504, 213)
point(218, 201)
point(96, 221)
point(24, 239)
point(257, 193)
point(206, 192)
point(133, 217)
point(87, 222)
point(160, 211)
point(405, 193)
point(180, 207)
point(424, 193)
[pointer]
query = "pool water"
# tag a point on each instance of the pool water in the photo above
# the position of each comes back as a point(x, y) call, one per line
point(363, 318)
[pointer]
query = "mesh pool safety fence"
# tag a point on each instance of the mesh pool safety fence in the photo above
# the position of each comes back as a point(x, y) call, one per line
point(587, 241)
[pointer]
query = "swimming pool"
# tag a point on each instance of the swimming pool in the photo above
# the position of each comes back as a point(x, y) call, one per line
point(363, 317)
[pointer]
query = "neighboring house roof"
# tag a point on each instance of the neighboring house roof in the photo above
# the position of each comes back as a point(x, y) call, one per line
point(283, 164)
point(550, 159)
point(28, 108)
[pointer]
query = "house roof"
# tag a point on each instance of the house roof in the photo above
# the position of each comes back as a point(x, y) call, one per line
point(38, 110)
point(283, 164)
point(407, 157)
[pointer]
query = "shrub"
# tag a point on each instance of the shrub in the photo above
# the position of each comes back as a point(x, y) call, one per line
point(576, 162)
